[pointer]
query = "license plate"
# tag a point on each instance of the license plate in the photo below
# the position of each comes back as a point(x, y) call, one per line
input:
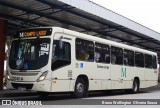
point(13, 78)
point(21, 88)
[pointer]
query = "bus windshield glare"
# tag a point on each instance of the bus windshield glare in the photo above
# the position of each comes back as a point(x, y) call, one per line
point(29, 54)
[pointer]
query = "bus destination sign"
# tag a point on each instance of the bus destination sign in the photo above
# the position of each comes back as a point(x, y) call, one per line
point(34, 32)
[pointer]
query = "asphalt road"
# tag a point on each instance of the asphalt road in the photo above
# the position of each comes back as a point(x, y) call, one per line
point(67, 99)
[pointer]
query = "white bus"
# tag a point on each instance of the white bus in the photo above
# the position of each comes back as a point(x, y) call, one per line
point(54, 59)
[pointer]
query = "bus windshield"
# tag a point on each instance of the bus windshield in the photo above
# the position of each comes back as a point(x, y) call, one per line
point(29, 54)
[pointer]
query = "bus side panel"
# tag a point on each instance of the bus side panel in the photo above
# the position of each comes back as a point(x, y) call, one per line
point(95, 85)
point(128, 84)
point(88, 69)
point(72, 85)
point(60, 85)
point(42, 86)
point(106, 84)
point(103, 71)
point(128, 76)
point(117, 82)
point(140, 73)
point(151, 77)
point(122, 77)
point(60, 79)
point(97, 77)
point(131, 73)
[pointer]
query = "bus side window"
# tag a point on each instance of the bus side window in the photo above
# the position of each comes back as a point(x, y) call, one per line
point(102, 53)
point(113, 59)
point(81, 56)
point(117, 55)
point(128, 58)
point(154, 62)
point(148, 61)
point(84, 50)
point(139, 59)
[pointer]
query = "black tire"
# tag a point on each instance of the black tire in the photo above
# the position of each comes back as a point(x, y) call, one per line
point(135, 87)
point(81, 89)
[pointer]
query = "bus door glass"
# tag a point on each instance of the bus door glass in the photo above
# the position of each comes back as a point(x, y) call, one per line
point(61, 54)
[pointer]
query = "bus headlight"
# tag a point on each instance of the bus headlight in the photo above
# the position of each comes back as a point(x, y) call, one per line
point(8, 77)
point(43, 76)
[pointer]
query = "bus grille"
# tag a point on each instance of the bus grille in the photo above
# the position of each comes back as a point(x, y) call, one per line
point(27, 86)
point(24, 74)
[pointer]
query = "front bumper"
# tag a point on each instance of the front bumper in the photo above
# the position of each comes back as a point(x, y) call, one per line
point(44, 86)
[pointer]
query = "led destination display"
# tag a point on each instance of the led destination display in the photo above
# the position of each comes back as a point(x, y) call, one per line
point(33, 32)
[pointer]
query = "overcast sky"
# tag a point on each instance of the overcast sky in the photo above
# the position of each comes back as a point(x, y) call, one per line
point(145, 12)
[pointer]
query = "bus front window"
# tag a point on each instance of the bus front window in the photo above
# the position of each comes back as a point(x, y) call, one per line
point(29, 54)
point(61, 55)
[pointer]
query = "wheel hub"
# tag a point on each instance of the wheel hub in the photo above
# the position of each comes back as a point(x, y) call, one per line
point(80, 88)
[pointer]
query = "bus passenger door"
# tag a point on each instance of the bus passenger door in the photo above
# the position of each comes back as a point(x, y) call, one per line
point(61, 65)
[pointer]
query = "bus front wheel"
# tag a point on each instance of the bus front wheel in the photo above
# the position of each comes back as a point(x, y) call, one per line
point(80, 90)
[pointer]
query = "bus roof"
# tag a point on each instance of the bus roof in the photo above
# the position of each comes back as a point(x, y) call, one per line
point(104, 41)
